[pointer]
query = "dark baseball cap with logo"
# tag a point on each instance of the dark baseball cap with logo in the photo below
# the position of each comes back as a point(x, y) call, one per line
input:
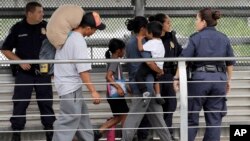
point(93, 20)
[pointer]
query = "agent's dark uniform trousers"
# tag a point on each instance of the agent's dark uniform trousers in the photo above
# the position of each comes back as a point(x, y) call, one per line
point(171, 102)
point(25, 92)
point(208, 104)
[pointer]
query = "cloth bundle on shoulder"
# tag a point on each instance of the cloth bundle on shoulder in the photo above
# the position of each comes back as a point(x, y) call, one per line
point(63, 20)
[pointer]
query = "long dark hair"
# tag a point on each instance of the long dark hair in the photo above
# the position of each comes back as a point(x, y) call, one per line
point(136, 23)
point(210, 16)
point(160, 17)
point(114, 44)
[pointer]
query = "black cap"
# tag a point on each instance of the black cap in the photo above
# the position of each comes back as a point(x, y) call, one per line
point(93, 19)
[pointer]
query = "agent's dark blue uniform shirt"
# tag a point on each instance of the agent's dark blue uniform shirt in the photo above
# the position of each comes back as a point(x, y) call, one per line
point(208, 43)
point(26, 39)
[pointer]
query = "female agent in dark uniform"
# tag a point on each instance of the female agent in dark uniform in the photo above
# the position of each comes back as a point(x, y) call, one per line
point(208, 42)
point(172, 49)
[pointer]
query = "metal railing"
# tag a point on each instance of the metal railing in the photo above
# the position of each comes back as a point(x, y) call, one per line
point(183, 80)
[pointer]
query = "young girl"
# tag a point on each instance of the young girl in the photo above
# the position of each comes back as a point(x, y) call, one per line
point(116, 50)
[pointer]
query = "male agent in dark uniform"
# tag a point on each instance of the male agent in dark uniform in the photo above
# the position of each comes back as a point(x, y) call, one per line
point(213, 76)
point(26, 37)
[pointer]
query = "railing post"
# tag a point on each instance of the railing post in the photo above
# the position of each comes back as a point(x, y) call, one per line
point(139, 7)
point(183, 101)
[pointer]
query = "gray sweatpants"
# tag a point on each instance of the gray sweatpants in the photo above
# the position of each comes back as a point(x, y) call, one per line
point(134, 120)
point(73, 122)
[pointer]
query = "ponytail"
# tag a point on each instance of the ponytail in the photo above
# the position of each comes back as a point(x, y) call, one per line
point(108, 54)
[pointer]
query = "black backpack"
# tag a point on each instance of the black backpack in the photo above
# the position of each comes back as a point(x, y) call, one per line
point(47, 52)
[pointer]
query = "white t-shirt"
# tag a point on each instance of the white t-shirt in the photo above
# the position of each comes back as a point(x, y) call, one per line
point(67, 78)
point(156, 47)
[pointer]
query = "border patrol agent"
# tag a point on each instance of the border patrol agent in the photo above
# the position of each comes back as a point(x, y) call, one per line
point(26, 37)
point(172, 49)
point(208, 42)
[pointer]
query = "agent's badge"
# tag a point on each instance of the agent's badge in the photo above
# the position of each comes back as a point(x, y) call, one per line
point(172, 44)
point(43, 31)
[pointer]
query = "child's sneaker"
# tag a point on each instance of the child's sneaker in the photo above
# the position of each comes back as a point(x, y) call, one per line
point(145, 100)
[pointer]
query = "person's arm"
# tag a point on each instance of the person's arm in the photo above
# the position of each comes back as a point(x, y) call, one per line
point(9, 44)
point(154, 67)
point(112, 81)
point(229, 78)
point(157, 88)
point(176, 81)
point(139, 42)
point(87, 80)
point(12, 56)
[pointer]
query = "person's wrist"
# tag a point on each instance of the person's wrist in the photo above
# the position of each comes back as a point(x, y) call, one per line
point(93, 92)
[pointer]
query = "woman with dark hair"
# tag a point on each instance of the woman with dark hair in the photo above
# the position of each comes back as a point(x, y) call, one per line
point(172, 49)
point(137, 26)
point(207, 42)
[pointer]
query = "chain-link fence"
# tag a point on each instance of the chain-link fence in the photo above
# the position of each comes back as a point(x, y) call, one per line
point(234, 23)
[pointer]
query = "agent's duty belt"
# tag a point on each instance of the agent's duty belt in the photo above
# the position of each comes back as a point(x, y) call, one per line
point(210, 68)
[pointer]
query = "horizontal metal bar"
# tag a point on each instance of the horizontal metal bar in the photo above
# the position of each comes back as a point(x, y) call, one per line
point(191, 11)
point(104, 12)
point(129, 11)
point(103, 41)
point(126, 60)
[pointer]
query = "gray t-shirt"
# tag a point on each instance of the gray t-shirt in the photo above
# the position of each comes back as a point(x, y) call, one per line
point(67, 77)
point(115, 67)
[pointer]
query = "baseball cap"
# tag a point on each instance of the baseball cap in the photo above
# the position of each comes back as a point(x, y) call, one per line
point(93, 19)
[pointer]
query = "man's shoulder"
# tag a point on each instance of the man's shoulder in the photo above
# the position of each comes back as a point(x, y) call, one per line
point(18, 24)
point(75, 36)
point(75, 39)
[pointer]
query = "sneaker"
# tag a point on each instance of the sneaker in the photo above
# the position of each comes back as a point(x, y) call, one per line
point(97, 135)
point(145, 100)
point(16, 136)
point(173, 138)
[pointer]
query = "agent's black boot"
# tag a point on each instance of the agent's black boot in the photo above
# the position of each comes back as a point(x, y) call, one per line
point(49, 134)
point(16, 136)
